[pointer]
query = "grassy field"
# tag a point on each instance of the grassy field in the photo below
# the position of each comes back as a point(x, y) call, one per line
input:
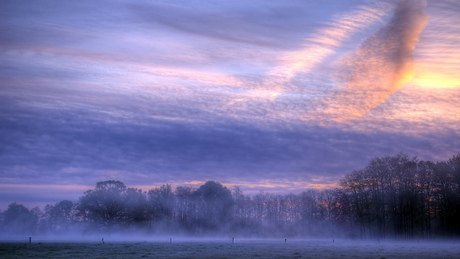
point(225, 249)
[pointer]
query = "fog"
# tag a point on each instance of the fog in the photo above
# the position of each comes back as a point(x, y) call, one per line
point(225, 248)
point(393, 197)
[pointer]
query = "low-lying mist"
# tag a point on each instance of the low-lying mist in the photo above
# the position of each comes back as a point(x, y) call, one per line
point(393, 197)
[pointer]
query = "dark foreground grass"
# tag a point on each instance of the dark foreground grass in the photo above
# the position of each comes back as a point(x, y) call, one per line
point(240, 249)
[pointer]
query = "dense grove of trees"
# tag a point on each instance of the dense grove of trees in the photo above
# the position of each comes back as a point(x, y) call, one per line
point(394, 196)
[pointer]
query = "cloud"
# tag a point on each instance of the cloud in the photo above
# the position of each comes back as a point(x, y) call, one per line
point(315, 48)
point(239, 22)
point(324, 41)
point(82, 147)
point(161, 92)
point(381, 65)
point(124, 139)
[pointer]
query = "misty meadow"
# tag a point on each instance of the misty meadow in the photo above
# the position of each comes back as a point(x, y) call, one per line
point(392, 197)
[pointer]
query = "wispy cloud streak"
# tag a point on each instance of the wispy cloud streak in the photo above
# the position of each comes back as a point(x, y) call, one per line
point(322, 43)
point(381, 65)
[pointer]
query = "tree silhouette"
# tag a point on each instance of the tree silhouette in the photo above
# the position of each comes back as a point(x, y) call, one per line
point(60, 217)
point(217, 205)
point(393, 196)
point(104, 206)
point(18, 219)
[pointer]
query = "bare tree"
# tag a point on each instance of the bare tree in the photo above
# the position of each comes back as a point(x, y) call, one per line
point(162, 206)
point(60, 216)
point(104, 206)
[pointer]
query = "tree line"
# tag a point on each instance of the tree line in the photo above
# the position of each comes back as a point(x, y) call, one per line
point(393, 196)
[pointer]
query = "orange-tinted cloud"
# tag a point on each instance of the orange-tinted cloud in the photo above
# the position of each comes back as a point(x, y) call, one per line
point(382, 64)
point(319, 45)
point(323, 42)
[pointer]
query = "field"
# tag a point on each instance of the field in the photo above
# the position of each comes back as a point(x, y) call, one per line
point(223, 248)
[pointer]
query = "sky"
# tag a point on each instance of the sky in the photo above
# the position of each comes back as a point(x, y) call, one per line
point(277, 96)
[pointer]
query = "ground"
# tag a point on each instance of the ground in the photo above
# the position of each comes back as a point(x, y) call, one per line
point(224, 248)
